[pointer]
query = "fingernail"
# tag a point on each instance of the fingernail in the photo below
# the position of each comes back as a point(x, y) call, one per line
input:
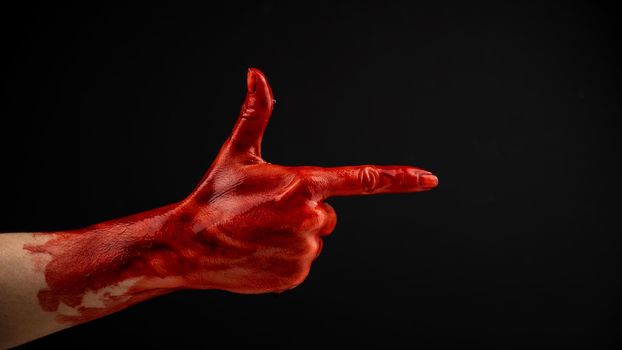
point(250, 80)
point(428, 181)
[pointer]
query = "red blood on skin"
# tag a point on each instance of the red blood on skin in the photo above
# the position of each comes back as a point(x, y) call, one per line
point(248, 227)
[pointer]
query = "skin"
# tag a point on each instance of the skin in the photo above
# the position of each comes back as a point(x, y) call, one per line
point(248, 227)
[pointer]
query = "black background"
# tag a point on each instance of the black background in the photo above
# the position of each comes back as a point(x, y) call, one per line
point(111, 111)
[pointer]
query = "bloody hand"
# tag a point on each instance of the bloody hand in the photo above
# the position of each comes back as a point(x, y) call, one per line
point(268, 220)
point(248, 227)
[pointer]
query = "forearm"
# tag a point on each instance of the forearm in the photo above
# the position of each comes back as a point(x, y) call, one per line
point(21, 316)
point(50, 281)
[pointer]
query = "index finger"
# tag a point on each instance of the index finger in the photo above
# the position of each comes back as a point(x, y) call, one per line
point(370, 179)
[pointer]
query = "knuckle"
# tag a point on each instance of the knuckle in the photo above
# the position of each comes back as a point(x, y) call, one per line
point(318, 219)
point(369, 179)
point(312, 247)
point(305, 248)
point(293, 190)
point(309, 217)
point(299, 273)
point(329, 220)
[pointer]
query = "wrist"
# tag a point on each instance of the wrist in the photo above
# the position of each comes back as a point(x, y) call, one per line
point(106, 267)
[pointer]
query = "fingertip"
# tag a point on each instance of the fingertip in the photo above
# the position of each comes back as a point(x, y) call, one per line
point(256, 71)
point(251, 79)
point(428, 181)
point(257, 83)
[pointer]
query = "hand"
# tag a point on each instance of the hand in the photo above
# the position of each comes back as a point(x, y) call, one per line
point(257, 226)
point(248, 227)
